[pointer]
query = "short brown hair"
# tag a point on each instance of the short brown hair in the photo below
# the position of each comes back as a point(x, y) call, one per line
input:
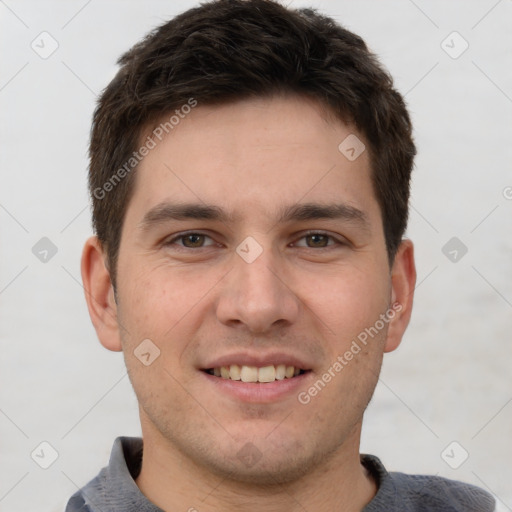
point(227, 50)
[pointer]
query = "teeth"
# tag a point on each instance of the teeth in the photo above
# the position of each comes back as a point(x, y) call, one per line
point(254, 374)
point(267, 374)
point(249, 374)
point(234, 372)
point(280, 371)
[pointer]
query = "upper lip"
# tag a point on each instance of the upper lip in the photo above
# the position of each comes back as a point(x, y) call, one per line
point(259, 360)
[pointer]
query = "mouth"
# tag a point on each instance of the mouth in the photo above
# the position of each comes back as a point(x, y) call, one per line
point(254, 374)
point(256, 378)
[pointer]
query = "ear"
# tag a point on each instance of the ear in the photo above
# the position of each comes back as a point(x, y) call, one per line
point(99, 295)
point(403, 281)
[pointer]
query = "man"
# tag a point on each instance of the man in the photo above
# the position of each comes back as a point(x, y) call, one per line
point(250, 169)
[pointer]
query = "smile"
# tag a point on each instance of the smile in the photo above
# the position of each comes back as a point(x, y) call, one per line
point(263, 374)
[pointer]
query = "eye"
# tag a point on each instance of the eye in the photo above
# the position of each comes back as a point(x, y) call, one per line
point(191, 240)
point(316, 240)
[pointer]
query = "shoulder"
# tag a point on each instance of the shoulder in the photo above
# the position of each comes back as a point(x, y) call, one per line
point(437, 493)
point(422, 493)
point(114, 484)
point(83, 500)
point(77, 504)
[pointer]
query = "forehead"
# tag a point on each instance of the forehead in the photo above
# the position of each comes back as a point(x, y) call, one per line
point(254, 156)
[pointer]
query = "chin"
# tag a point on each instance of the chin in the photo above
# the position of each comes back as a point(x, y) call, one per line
point(264, 470)
point(262, 461)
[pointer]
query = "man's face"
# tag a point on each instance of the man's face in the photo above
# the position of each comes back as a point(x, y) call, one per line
point(251, 240)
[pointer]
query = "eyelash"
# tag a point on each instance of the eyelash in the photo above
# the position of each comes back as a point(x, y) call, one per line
point(332, 238)
point(182, 236)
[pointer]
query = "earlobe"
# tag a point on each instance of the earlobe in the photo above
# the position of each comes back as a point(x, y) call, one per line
point(99, 295)
point(403, 281)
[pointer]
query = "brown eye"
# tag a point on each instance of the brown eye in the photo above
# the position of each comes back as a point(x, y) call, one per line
point(317, 240)
point(190, 240)
point(193, 240)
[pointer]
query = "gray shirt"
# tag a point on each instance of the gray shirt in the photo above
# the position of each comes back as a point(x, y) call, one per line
point(115, 490)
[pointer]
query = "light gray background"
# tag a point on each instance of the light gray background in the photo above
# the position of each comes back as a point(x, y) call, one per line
point(451, 380)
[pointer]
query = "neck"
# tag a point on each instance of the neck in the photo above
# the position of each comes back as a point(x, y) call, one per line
point(174, 482)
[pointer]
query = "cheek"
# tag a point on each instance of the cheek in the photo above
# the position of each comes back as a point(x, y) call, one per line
point(348, 301)
point(165, 303)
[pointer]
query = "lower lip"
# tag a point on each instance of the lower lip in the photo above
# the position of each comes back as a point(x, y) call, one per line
point(259, 392)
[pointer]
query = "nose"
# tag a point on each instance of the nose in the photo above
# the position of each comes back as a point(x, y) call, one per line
point(256, 295)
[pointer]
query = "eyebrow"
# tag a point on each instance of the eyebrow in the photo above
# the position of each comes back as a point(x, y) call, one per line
point(166, 211)
point(314, 211)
